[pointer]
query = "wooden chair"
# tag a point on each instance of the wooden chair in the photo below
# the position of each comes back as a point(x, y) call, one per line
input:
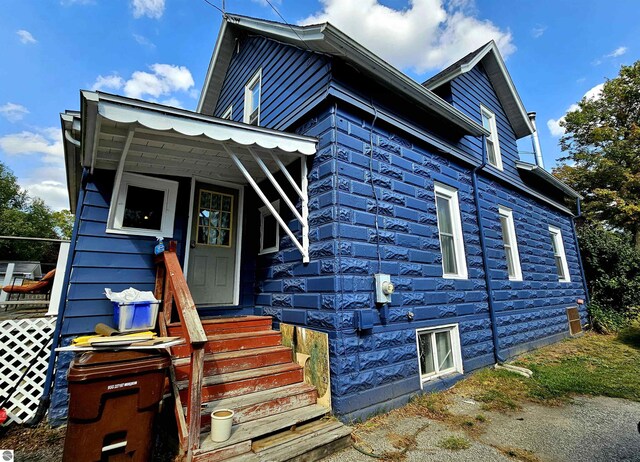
point(43, 286)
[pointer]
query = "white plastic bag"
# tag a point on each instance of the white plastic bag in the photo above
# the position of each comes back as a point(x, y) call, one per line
point(130, 295)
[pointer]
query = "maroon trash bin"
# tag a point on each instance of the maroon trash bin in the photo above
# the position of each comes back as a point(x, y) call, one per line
point(113, 400)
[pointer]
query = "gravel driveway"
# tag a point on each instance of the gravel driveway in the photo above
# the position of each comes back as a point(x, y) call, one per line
point(590, 429)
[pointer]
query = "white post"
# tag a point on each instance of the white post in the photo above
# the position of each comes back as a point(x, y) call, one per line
point(56, 289)
point(7, 281)
point(304, 184)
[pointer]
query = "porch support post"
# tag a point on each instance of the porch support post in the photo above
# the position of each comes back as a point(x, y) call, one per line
point(304, 183)
point(304, 251)
point(120, 171)
point(275, 184)
point(287, 175)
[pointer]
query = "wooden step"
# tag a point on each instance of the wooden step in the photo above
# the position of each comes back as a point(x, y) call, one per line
point(245, 382)
point(227, 325)
point(262, 427)
point(263, 403)
point(308, 442)
point(233, 361)
point(232, 342)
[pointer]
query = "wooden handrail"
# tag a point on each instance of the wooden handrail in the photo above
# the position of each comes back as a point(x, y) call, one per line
point(172, 288)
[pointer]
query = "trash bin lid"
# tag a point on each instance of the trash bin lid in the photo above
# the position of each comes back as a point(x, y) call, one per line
point(102, 364)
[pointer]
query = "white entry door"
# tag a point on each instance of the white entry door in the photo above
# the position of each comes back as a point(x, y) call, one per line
point(214, 238)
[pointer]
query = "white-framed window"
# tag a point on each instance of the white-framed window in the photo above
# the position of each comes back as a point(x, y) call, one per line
point(559, 256)
point(269, 229)
point(454, 263)
point(510, 243)
point(438, 351)
point(228, 113)
point(143, 206)
point(493, 147)
point(252, 93)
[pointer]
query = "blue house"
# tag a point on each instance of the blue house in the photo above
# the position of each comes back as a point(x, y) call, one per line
point(320, 186)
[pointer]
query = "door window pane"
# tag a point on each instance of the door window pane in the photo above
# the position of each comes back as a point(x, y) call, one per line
point(143, 208)
point(215, 220)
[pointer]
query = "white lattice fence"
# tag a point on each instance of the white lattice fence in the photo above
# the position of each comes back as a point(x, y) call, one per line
point(21, 349)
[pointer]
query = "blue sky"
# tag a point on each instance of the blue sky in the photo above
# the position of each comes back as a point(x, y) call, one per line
point(556, 51)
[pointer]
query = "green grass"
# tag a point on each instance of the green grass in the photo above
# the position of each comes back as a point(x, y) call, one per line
point(454, 443)
point(599, 365)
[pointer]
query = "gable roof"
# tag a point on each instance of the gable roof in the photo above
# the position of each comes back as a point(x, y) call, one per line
point(499, 76)
point(327, 39)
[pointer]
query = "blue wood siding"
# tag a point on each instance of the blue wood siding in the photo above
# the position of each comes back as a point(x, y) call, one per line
point(291, 77)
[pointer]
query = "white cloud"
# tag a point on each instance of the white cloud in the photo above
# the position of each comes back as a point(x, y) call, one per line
point(175, 102)
point(13, 112)
point(538, 31)
point(144, 41)
point(554, 124)
point(108, 82)
point(617, 52)
point(150, 8)
point(42, 150)
point(161, 82)
point(26, 37)
point(426, 35)
point(45, 143)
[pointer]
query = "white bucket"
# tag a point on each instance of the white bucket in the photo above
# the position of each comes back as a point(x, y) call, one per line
point(221, 421)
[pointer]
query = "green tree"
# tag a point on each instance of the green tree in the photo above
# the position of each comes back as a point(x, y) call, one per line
point(602, 142)
point(24, 216)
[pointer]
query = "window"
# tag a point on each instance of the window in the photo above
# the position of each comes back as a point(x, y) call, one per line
point(439, 351)
point(228, 114)
point(510, 244)
point(493, 148)
point(252, 99)
point(562, 267)
point(215, 216)
point(269, 229)
point(143, 206)
point(450, 230)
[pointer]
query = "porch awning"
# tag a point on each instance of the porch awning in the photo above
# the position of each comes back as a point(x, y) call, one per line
point(171, 141)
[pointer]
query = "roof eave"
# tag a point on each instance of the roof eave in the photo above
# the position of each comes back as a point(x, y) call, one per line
point(548, 177)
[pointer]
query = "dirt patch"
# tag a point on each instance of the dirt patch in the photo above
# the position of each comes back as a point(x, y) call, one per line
point(34, 444)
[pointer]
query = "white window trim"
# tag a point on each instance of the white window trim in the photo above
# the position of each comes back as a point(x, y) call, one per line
point(257, 78)
point(511, 230)
point(228, 113)
point(556, 235)
point(264, 212)
point(116, 210)
point(456, 351)
point(493, 137)
point(451, 194)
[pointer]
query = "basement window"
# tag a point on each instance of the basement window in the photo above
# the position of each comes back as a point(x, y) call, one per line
point(143, 206)
point(252, 93)
point(439, 351)
point(562, 268)
point(269, 229)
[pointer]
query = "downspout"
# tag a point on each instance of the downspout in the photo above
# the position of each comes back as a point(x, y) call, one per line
point(45, 399)
point(575, 239)
point(485, 262)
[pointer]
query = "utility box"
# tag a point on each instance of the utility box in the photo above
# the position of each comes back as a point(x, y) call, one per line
point(113, 401)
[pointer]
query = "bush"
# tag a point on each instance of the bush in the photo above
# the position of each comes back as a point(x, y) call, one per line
point(612, 269)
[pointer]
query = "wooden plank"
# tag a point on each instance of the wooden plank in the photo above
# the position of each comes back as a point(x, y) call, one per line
point(224, 453)
point(311, 429)
point(311, 448)
point(265, 426)
point(194, 399)
point(186, 307)
point(180, 418)
point(237, 341)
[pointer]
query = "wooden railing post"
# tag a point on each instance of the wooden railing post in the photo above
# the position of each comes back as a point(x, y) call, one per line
point(172, 286)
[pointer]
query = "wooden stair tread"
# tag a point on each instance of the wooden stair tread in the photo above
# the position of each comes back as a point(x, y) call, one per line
point(232, 354)
point(224, 320)
point(243, 375)
point(234, 335)
point(258, 397)
point(264, 426)
point(311, 448)
point(307, 430)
